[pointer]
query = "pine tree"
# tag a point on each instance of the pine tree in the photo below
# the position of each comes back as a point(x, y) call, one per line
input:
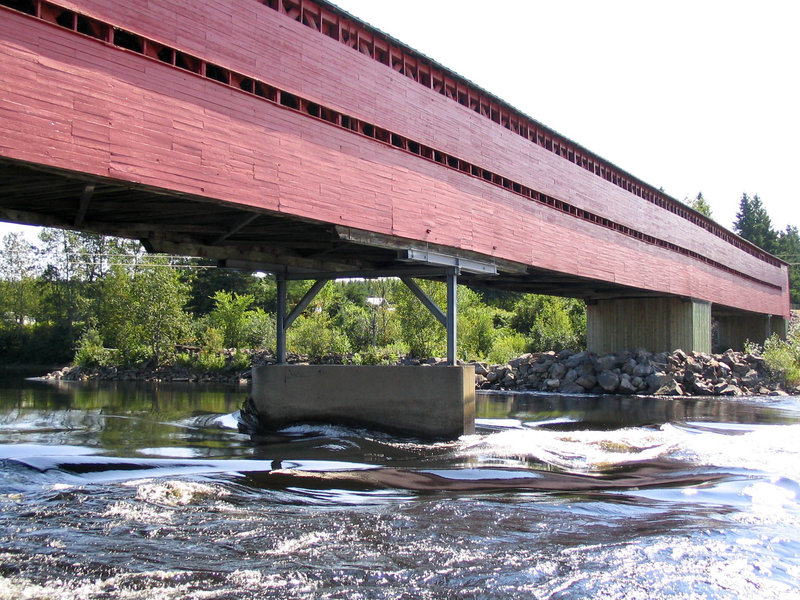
point(753, 224)
point(789, 250)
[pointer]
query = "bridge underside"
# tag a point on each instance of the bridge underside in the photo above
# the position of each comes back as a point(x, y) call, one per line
point(241, 237)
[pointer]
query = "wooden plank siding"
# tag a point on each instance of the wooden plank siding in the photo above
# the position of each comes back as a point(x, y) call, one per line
point(80, 104)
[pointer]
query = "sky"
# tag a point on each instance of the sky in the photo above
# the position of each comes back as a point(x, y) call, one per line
point(692, 96)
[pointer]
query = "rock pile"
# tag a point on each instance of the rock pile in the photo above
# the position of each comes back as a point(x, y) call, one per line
point(677, 373)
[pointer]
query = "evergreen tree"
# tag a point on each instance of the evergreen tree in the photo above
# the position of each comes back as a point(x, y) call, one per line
point(789, 250)
point(753, 224)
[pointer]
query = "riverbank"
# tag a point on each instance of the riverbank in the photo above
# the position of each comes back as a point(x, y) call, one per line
point(642, 373)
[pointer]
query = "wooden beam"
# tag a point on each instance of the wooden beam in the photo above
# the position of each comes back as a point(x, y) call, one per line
point(86, 198)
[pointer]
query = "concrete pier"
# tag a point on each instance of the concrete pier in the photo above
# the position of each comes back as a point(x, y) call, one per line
point(429, 402)
point(656, 324)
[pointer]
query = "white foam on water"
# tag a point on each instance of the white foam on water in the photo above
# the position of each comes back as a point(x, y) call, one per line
point(178, 492)
point(772, 449)
point(304, 542)
point(574, 450)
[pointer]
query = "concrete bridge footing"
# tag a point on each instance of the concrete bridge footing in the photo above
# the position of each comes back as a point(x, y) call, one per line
point(655, 324)
point(428, 402)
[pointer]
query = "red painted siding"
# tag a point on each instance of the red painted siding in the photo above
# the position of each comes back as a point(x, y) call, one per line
point(73, 102)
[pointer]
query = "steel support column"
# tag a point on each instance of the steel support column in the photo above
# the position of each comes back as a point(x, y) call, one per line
point(280, 346)
point(285, 321)
point(449, 320)
point(452, 316)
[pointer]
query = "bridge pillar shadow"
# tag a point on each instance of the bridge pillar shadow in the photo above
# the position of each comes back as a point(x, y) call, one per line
point(734, 329)
point(657, 324)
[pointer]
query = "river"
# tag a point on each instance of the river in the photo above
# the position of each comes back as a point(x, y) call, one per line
point(152, 492)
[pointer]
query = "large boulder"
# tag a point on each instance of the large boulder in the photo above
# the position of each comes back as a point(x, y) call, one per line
point(626, 385)
point(558, 370)
point(605, 363)
point(608, 380)
point(571, 387)
point(661, 384)
point(587, 382)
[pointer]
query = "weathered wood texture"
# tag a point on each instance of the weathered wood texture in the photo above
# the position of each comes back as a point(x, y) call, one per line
point(76, 103)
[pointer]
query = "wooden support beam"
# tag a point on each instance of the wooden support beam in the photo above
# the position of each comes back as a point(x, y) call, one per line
point(86, 198)
point(241, 224)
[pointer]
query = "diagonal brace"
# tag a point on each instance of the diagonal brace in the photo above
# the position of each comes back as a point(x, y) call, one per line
point(284, 321)
point(425, 299)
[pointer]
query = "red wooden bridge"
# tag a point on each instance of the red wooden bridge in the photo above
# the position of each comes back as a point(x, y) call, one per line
point(287, 135)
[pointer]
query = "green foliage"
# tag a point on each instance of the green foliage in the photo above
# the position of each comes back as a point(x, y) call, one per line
point(419, 329)
point(210, 357)
point(91, 352)
point(207, 282)
point(359, 325)
point(550, 323)
point(142, 314)
point(316, 336)
point(376, 356)
point(212, 340)
point(700, 205)
point(19, 301)
point(239, 361)
point(210, 361)
point(230, 315)
point(789, 250)
point(476, 326)
point(38, 344)
point(260, 330)
point(507, 345)
point(783, 358)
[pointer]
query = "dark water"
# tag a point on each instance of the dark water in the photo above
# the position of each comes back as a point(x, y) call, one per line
point(152, 492)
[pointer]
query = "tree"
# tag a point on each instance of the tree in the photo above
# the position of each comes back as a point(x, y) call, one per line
point(789, 250)
point(18, 270)
point(142, 314)
point(700, 205)
point(419, 329)
point(208, 281)
point(753, 224)
point(550, 323)
point(230, 315)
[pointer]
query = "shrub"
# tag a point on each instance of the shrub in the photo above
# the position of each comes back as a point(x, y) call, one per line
point(375, 356)
point(476, 326)
point(550, 323)
point(314, 335)
point(358, 325)
point(91, 352)
point(230, 315)
point(260, 330)
point(211, 361)
point(507, 345)
point(419, 329)
point(783, 358)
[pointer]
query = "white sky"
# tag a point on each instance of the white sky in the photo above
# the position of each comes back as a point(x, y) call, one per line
point(688, 95)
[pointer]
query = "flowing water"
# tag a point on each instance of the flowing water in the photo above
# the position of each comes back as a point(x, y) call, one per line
point(153, 492)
